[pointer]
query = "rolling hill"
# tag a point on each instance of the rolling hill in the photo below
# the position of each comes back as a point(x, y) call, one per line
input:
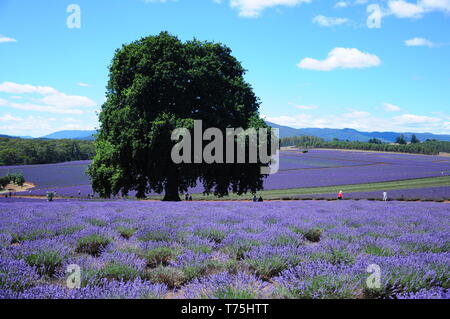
point(74, 134)
point(285, 131)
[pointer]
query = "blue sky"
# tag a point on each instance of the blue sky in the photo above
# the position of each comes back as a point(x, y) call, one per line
point(313, 63)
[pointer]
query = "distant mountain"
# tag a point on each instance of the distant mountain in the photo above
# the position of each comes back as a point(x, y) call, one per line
point(285, 131)
point(351, 134)
point(77, 135)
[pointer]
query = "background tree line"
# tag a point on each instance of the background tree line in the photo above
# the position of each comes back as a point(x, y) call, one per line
point(16, 151)
point(429, 147)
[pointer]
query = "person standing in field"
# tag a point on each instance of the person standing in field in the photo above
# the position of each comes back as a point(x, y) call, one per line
point(385, 198)
point(340, 195)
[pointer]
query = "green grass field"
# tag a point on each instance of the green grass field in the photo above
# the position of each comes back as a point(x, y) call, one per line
point(369, 187)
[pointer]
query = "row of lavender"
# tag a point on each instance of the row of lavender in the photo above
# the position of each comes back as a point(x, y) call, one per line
point(296, 249)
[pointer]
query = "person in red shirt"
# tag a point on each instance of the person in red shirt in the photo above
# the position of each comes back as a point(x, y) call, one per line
point(341, 195)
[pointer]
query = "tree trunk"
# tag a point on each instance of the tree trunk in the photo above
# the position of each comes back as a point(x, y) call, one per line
point(171, 188)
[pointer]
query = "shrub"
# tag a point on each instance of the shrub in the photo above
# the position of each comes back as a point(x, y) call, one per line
point(235, 293)
point(172, 277)
point(199, 248)
point(378, 251)
point(126, 232)
point(19, 180)
point(321, 287)
point(50, 196)
point(285, 240)
point(46, 262)
point(97, 222)
point(118, 271)
point(212, 234)
point(69, 230)
point(337, 257)
point(31, 235)
point(314, 235)
point(4, 181)
point(156, 235)
point(92, 244)
point(194, 271)
point(160, 255)
point(238, 248)
point(268, 267)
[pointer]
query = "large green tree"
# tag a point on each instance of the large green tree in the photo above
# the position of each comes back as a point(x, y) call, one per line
point(158, 84)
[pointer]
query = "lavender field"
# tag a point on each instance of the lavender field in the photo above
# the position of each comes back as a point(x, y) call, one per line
point(292, 249)
point(317, 168)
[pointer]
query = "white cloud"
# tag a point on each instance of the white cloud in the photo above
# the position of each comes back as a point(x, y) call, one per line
point(253, 8)
point(341, 4)
point(9, 118)
point(6, 39)
point(328, 21)
point(415, 119)
point(82, 84)
point(67, 101)
point(39, 126)
point(405, 9)
point(431, 5)
point(11, 87)
point(52, 101)
point(341, 58)
point(43, 108)
point(70, 120)
point(20, 126)
point(345, 4)
point(419, 42)
point(388, 107)
point(304, 107)
point(357, 115)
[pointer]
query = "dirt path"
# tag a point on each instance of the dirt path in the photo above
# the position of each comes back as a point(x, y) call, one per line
point(12, 188)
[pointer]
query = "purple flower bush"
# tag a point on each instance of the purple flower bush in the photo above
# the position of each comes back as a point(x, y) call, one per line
point(291, 249)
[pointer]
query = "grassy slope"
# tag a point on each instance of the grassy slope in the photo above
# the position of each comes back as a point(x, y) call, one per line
point(292, 192)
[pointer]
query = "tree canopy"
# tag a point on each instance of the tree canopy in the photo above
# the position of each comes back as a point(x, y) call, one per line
point(18, 151)
point(414, 139)
point(401, 140)
point(158, 84)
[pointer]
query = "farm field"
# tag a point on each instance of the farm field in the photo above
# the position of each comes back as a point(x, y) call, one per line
point(291, 249)
point(317, 172)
